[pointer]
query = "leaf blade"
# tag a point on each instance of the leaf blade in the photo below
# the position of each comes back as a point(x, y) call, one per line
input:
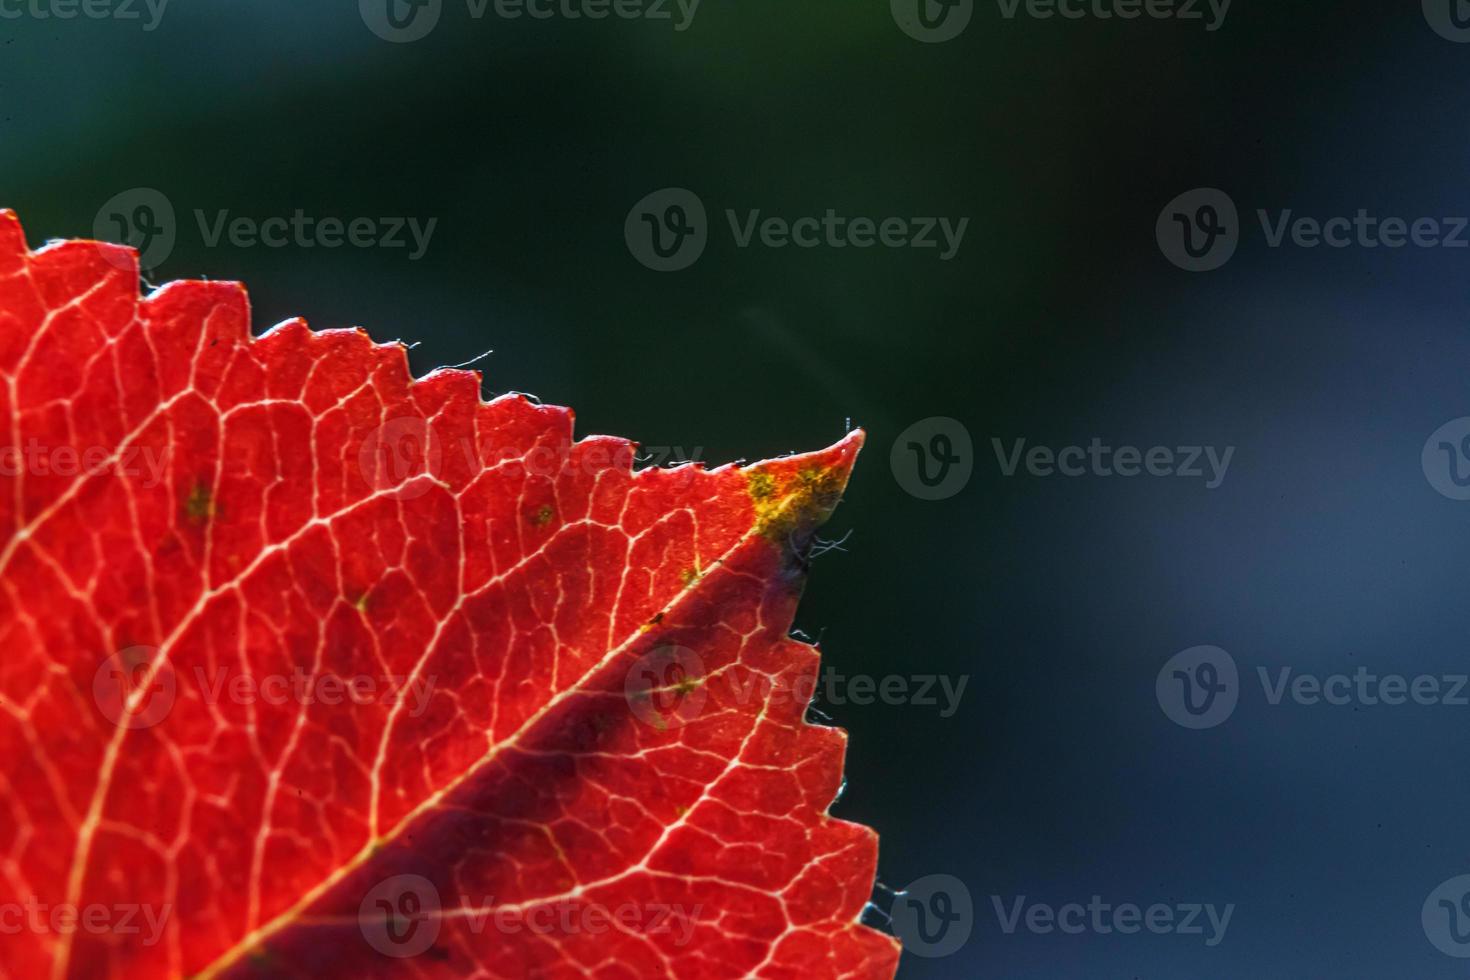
point(316, 514)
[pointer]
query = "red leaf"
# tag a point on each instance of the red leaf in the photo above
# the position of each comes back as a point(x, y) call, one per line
point(312, 669)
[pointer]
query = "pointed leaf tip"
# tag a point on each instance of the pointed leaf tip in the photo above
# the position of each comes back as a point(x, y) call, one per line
point(795, 495)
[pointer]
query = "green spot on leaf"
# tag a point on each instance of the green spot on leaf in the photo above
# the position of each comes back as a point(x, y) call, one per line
point(199, 505)
point(762, 485)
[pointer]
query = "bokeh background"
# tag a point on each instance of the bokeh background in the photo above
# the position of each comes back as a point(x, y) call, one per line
point(1059, 777)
